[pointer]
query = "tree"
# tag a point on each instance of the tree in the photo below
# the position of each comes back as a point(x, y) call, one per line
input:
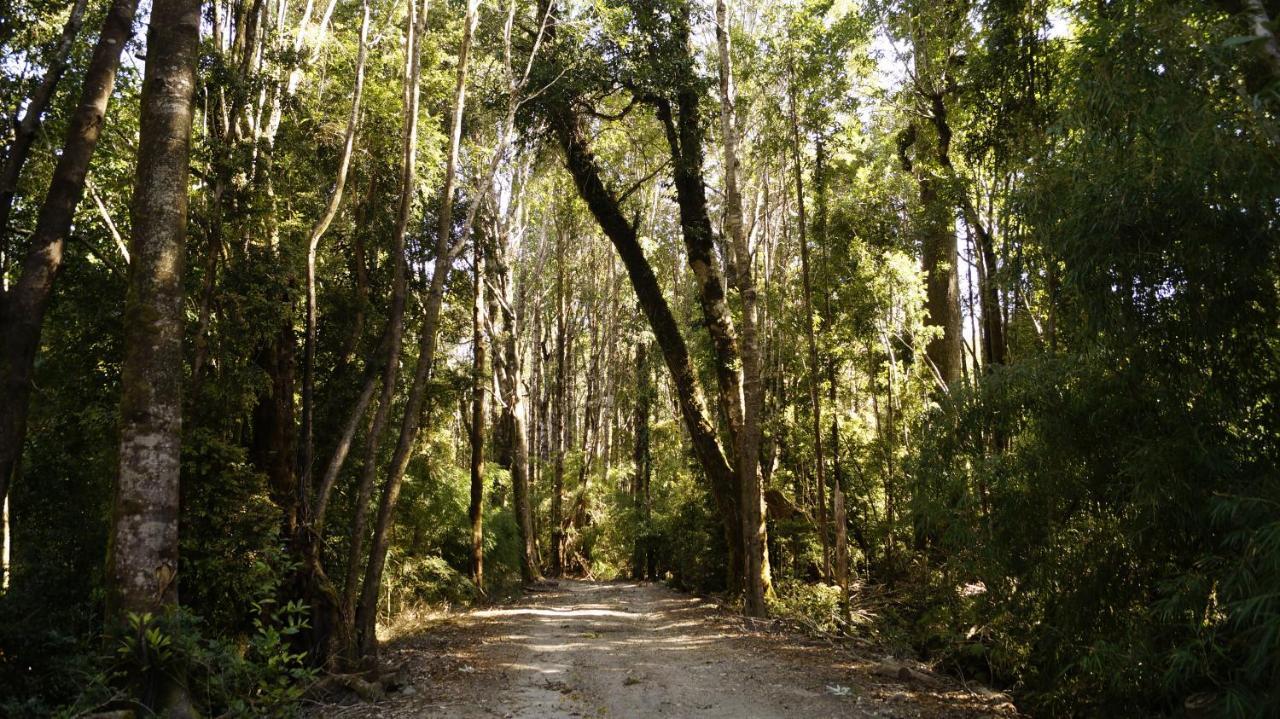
point(143, 565)
point(754, 533)
point(16, 153)
point(23, 307)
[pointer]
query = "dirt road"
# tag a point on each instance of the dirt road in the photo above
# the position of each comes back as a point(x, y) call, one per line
point(585, 649)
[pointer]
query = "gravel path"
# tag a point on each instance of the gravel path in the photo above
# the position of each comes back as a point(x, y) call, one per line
point(589, 649)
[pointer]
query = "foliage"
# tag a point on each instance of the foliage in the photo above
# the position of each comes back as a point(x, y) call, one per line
point(1086, 518)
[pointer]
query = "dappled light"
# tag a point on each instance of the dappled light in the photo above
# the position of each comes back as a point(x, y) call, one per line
point(639, 358)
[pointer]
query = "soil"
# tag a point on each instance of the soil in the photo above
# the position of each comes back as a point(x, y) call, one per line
point(627, 649)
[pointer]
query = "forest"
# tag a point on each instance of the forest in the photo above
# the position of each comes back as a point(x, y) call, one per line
point(947, 327)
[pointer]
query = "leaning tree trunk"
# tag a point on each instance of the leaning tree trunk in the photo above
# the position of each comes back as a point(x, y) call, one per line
point(313, 245)
point(32, 115)
point(23, 307)
point(143, 564)
point(366, 616)
point(567, 126)
point(354, 643)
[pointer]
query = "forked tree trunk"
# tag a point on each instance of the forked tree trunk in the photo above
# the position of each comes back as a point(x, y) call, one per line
point(313, 245)
point(993, 342)
point(143, 564)
point(936, 230)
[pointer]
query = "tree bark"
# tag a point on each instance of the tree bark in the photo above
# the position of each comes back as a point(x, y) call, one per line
point(507, 367)
point(754, 532)
point(642, 563)
point(993, 342)
point(479, 375)
point(936, 226)
point(143, 563)
point(559, 410)
point(23, 307)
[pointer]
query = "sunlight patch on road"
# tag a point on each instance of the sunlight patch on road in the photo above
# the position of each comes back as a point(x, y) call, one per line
point(559, 613)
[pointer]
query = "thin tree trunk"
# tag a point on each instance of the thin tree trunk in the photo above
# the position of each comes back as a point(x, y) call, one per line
point(143, 564)
point(560, 409)
point(810, 336)
point(507, 367)
point(340, 451)
point(479, 375)
point(395, 324)
point(444, 256)
point(838, 515)
point(22, 308)
point(313, 244)
point(642, 554)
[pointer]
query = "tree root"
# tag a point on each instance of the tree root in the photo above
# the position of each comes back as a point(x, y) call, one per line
point(370, 686)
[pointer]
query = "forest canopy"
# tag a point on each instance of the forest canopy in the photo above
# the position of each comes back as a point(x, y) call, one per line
point(948, 325)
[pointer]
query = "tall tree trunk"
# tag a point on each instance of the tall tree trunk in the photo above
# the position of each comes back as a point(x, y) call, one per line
point(23, 307)
point(993, 342)
point(560, 409)
point(810, 334)
point(936, 226)
point(507, 367)
point(32, 114)
point(354, 649)
point(143, 564)
point(942, 283)
point(642, 555)
point(838, 514)
point(479, 377)
point(366, 618)
point(754, 532)
point(684, 138)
